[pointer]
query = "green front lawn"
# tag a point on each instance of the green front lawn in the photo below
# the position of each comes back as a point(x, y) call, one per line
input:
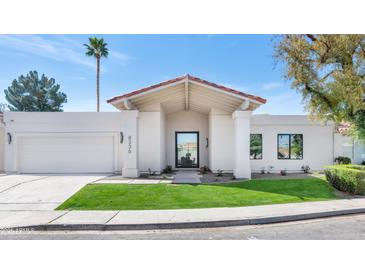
point(173, 196)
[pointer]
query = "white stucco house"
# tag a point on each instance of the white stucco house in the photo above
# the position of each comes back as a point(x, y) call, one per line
point(185, 122)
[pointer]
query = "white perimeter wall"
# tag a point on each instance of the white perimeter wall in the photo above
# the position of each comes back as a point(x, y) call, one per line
point(359, 151)
point(318, 141)
point(2, 147)
point(348, 147)
point(186, 121)
point(52, 123)
point(151, 131)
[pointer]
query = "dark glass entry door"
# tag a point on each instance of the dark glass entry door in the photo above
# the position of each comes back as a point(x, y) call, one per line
point(187, 149)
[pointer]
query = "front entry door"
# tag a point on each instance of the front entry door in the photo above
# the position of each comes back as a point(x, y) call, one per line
point(187, 149)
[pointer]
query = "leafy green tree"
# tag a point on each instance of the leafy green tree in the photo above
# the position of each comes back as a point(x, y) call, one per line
point(329, 71)
point(256, 146)
point(97, 48)
point(297, 146)
point(31, 93)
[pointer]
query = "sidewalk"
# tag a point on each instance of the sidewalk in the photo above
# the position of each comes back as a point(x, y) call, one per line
point(181, 218)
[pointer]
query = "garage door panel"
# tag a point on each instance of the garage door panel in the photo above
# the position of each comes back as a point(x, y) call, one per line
point(60, 153)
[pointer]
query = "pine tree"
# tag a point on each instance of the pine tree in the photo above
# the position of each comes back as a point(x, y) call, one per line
point(31, 93)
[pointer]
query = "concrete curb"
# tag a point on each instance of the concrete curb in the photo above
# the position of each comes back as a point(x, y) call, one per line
point(198, 224)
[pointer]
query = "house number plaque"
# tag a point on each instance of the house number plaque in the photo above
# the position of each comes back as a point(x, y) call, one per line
point(129, 144)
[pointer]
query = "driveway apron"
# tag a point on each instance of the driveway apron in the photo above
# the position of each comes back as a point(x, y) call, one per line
point(40, 192)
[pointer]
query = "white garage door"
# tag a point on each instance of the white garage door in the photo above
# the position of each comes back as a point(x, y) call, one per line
point(63, 153)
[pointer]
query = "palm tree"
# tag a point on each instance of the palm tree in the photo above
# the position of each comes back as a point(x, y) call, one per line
point(98, 49)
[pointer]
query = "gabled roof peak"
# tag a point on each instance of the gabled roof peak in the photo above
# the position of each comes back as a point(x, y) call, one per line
point(192, 79)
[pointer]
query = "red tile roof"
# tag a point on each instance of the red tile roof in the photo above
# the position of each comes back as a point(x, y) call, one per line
point(191, 78)
point(344, 128)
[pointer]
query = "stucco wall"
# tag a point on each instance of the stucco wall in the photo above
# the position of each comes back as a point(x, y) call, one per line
point(221, 141)
point(339, 142)
point(2, 147)
point(359, 151)
point(347, 146)
point(186, 121)
point(22, 124)
point(318, 141)
point(151, 141)
point(156, 136)
point(162, 140)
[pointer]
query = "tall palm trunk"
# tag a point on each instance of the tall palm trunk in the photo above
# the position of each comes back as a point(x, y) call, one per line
point(97, 84)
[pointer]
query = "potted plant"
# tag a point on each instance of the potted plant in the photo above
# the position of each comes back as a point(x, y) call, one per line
point(167, 169)
point(219, 173)
point(204, 170)
point(305, 168)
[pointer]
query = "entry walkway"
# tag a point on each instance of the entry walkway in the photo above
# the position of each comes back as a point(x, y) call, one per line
point(187, 176)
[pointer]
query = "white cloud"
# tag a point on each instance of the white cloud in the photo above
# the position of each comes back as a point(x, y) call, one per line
point(52, 49)
point(119, 55)
point(272, 85)
point(59, 48)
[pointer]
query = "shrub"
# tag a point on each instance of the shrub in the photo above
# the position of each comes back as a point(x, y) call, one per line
point(358, 167)
point(305, 168)
point(219, 173)
point(283, 172)
point(167, 169)
point(343, 160)
point(204, 170)
point(348, 178)
point(363, 163)
point(150, 172)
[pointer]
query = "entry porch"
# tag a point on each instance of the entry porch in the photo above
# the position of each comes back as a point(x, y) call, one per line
point(188, 123)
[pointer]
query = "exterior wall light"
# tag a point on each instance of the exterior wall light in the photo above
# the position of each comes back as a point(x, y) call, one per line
point(121, 137)
point(207, 144)
point(9, 138)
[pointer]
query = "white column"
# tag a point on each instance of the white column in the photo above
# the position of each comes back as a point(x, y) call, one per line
point(130, 145)
point(242, 167)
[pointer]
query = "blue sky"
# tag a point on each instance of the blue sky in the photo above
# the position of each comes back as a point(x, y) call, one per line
point(243, 62)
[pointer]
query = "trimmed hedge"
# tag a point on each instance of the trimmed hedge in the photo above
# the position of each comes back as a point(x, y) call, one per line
point(348, 178)
point(358, 167)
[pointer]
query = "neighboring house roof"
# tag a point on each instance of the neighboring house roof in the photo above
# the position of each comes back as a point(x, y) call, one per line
point(193, 79)
point(343, 128)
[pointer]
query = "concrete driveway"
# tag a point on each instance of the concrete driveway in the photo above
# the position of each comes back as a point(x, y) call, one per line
point(40, 192)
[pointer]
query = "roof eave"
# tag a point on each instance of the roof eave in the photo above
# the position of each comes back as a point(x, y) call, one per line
point(154, 88)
